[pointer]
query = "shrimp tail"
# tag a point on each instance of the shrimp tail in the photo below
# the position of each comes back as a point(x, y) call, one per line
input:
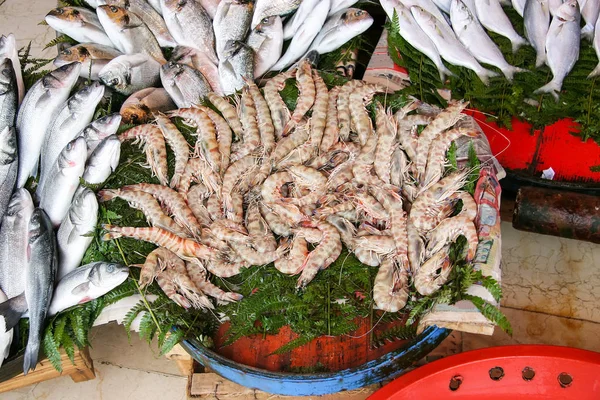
point(107, 194)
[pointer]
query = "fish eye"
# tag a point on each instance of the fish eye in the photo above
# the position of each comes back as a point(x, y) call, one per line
point(59, 11)
point(265, 20)
point(181, 3)
point(75, 12)
point(113, 82)
point(113, 9)
point(67, 52)
point(69, 146)
point(110, 268)
point(359, 12)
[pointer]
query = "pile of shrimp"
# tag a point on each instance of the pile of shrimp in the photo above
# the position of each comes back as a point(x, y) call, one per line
point(263, 182)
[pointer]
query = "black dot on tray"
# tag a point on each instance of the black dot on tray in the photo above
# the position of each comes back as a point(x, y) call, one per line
point(455, 382)
point(496, 373)
point(528, 374)
point(565, 379)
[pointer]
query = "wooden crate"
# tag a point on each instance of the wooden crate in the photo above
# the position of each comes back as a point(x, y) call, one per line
point(82, 370)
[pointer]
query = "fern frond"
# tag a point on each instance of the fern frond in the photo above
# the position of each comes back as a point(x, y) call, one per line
point(400, 332)
point(170, 342)
point(51, 349)
point(147, 327)
point(132, 315)
point(491, 312)
point(60, 39)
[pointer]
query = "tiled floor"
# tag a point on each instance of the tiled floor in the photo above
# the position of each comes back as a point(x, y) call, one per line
point(551, 285)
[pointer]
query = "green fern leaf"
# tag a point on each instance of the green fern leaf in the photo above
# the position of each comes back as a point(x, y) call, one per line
point(78, 328)
point(402, 332)
point(491, 312)
point(147, 327)
point(60, 39)
point(299, 341)
point(69, 347)
point(51, 349)
point(131, 316)
point(170, 342)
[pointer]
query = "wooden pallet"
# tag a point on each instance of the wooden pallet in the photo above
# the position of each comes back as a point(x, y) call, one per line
point(82, 370)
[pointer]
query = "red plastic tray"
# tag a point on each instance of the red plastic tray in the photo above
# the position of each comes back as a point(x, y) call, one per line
point(508, 372)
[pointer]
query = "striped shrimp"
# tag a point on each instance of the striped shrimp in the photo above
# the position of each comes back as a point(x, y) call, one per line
point(197, 170)
point(207, 147)
point(195, 200)
point(392, 202)
point(262, 237)
point(229, 232)
point(289, 143)
point(308, 178)
point(340, 175)
point(469, 207)
point(242, 168)
point(276, 224)
point(147, 204)
point(416, 248)
point(300, 155)
point(437, 153)
point(165, 280)
point(154, 147)
point(358, 113)
point(198, 275)
point(326, 252)
point(319, 110)
point(345, 228)
point(228, 111)
point(186, 249)
point(150, 268)
point(224, 136)
point(335, 209)
point(444, 120)
point(306, 95)
point(213, 205)
point(177, 143)
point(173, 203)
point(399, 167)
point(291, 264)
point(433, 273)
point(263, 117)
point(289, 213)
point(271, 187)
point(236, 214)
point(372, 248)
point(280, 114)
point(254, 257)
point(390, 292)
point(251, 136)
point(343, 107)
point(224, 268)
point(338, 153)
point(386, 136)
point(449, 230)
point(332, 130)
point(370, 206)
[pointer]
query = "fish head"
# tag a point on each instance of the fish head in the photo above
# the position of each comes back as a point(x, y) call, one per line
point(460, 12)
point(76, 53)
point(110, 148)
point(8, 44)
point(84, 210)
point(8, 145)
point(183, 55)
point(40, 227)
point(8, 79)
point(422, 16)
point(101, 128)
point(569, 11)
point(174, 6)
point(136, 114)
point(63, 17)
point(269, 24)
point(356, 19)
point(64, 76)
point(73, 156)
point(115, 74)
point(107, 275)
point(117, 16)
point(20, 204)
point(90, 94)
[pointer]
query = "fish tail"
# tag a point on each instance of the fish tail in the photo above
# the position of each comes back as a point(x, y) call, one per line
point(485, 75)
point(510, 72)
point(517, 43)
point(30, 358)
point(588, 32)
point(540, 58)
point(12, 310)
point(595, 72)
point(553, 87)
point(444, 72)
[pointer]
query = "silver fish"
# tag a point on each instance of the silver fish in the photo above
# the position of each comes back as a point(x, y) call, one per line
point(100, 129)
point(6, 336)
point(8, 49)
point(75, 114)
point(519, 6)
point(76, 232)
point(266, 39)
point(78, 23)
point(93, 57)
point(237, 65)
point(231, 22)
point(196, 59)
point(413, 34)
point(443, 5)
point(492, 16)
point(339, 5)
point(562, 45)
point(103, 161)
point(266, 8)
point(185, 85)
point(139, 107)
point(9, 163)
point(128, 32)
point(447, 43)
point(470, 33)
point(13, 243)
point(129, 73)
point(293, 24)
point(210, 6)
point(427, 5)
point(9, 96)
point(63, 180)
point(156, 5)
point(40, 104)
point(553, 6)
point(340, 28)
point(307, 32)
point(87, 283)
point(151, 18)
point(596, 70)
point(589, 12)
point(537, 21)
point(190, 25)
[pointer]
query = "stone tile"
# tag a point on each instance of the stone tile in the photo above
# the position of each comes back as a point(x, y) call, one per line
point(552, 275)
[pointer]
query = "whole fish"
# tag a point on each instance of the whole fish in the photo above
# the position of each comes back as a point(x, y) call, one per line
point(519, 6)
point(139, 107)
point(266, 39)
point(537, 21)
point(470, 33)
point(447, 43)
point(589, 12)
point(190, 25)
point(63, 180)
point(76, 232)
point(9, 96)
point(237, 65)
point(339, 5)
point(210, 6)
point(86, 283)
point(76, 114)
point(562, 45)
point(93, 57)
point(151, 18)
point(443, 5)
point(492, 16)
point(307, 32)
point(6, 336)
point(100, 129)
point(196, 59)
point(185, 85)
point(231, 22)
point(266, 8)
point(14, 232)
point(9, 163)
point(103, 161)
point(40, 104)
point(128, 32)
point(78, 23)
point(8, 49)
point(293, 24)
point(414, 35)
point(129, 73)
point(340, 28)
point(596, 70)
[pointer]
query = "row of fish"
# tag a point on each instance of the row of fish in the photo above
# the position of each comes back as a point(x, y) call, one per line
point(41, 247)
point(217, 45)
point(455, 31)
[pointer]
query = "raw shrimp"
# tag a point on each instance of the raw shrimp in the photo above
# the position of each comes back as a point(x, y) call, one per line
point(358, 113)
point(308, 178)
point(254, 257)
point(289, 143)
point(292, 263)
point(289, 213)
point(338, 153)
point(251, 135)
point(306, 95)
point(228, 111)
point(229, 231)
point(198, 171)
point(243, 167)
point(469, 207)
point(154, 147)
point(197, 274)
point(225, 268)
point(371, 249)
point(213, 205)
point(276, 224)
point(390, 292)
point(416, 248)
point(433, 273)
point(262, 238)
point(392, 202)
point(150, 268)
point(399, 167)
point(195, 200)
point(340, 175)
point(319, 111)
point(263, 117)
point(178, 144)
point(332, 130)
point(327, 251)
point(370, 206)
point(345, 228)
point(280, 114)
point(236, 214)
point(271, 187)
point(386, 136)
point(343, 108)
point(166, 282)
point(449, 230)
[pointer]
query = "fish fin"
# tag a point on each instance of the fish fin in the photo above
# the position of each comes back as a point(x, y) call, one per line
point(30, 358)
point(540, 58)
point(80, 289)
point(12, 310)
point(595, 72)
point(85, 300)
point(517, 43)
point(588, 32)
point(485, 75)
point(510, 72)
point(551, 87)
point(444, 72)
point(138, 59)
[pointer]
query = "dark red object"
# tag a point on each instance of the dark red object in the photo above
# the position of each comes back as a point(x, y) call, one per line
point(531, 372)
